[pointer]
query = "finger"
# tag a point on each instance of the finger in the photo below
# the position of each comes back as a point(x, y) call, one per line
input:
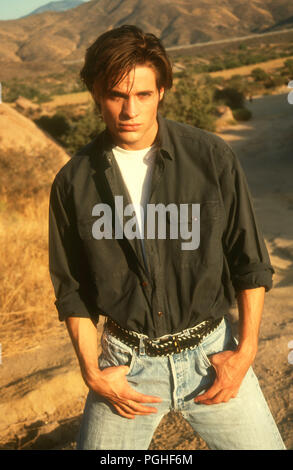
point(129, 412)
point(222, 397)
point(141, 398)
point(131, 406)
point(209, 394)
point(135, 407)
point(122, 413)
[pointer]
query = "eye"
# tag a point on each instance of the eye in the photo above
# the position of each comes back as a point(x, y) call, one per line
point(115, 96)
point(145, 94)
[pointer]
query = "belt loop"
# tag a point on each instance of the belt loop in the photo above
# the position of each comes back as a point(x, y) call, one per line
point(141, 346)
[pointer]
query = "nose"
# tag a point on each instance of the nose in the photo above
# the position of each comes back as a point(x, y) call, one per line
point(130, 109)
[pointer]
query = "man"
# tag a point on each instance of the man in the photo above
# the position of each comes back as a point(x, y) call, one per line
point(167, 343)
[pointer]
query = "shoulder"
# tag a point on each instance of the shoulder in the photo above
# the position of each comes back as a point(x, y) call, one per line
point(199, 141)
point(80, 164)
point(192, 132)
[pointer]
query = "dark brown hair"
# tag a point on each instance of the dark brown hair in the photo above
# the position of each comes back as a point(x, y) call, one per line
point(115, 53)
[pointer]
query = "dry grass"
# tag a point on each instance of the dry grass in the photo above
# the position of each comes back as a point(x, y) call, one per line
point(27, 308)
point(83, 98)
point(268, 66)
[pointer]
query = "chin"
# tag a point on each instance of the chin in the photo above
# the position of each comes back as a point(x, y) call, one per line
point(128, 137)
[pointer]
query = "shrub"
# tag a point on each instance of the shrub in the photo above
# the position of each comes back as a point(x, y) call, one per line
point(12, 90)
point(191, 104)
point(231, 97)
point(72, 132)
point(23, 175)
point(56, 125)
point(83, 128)
point(289, 66)
point(259, 74)
point(242, 114)
point(239, 83)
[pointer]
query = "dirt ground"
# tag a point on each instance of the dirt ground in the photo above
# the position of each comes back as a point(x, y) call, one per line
point(42, 393)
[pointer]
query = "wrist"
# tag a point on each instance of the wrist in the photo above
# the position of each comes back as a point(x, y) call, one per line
point(91, 375)
point(247, 349)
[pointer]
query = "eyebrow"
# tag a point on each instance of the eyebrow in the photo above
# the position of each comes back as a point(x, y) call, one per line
point(120, 94)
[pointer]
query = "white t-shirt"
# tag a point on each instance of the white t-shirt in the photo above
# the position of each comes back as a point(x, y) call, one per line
point(136, 168)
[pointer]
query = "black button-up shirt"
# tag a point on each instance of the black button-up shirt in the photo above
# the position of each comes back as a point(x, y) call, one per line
point(178, 288)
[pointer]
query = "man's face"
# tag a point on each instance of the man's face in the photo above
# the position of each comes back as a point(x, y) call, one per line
point(130, 109)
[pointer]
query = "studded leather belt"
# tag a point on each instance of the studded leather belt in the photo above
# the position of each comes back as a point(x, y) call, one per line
point(166, 345)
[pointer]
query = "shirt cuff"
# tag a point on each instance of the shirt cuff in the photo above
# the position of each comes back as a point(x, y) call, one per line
point(252, 276)
point(73, 306)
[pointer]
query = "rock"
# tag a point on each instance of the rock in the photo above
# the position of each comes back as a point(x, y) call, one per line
point(225, 116)
point(19, 133)
point(25, 104)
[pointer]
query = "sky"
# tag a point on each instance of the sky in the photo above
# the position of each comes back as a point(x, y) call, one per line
point(12, 9)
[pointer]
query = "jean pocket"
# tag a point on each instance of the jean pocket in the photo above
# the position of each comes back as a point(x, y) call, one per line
point(219, 341)
point(115, 353)
point(204, 356)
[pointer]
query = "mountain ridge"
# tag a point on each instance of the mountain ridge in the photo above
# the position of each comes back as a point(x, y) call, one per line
point(62, 5)
point(56, 36)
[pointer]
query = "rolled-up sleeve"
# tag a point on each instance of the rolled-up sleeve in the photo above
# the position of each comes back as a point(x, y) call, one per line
point(65, 259)
point(243, 242)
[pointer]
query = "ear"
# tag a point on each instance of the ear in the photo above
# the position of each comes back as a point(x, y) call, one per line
point(161, 93)
point(95, 94)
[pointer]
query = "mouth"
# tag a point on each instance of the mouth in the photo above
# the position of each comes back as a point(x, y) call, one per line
point(129, 127)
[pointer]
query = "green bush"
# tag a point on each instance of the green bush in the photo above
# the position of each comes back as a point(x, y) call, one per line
point(12, 90)
point(72, 132)
point(230, 97)
point(242, 114)
point(56, 125)
point(289, 66)
point(239, 83)
point(242, 46)
point(259, 74)
point(83, 129)
point(191, 104)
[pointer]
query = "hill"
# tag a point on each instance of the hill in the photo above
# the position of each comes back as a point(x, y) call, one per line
point(57, 6)
point(35, 155)
point(55, 36)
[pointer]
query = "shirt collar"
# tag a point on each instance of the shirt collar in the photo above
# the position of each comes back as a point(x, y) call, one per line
point(163, 138)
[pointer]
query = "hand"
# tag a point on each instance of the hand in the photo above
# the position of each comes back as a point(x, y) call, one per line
point(230, 367)
point(112, 384)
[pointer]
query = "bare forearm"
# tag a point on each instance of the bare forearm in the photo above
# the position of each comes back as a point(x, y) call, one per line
point(250, 306)
point(231, 366)
point(83, 334)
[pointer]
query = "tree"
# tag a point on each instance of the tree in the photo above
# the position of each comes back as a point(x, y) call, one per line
point(56, 125)
point(259, 74)
point(289, 66)
point(191, 104)
point(231, 97)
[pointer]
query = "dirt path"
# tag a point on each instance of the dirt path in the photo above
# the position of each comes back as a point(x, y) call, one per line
point(265, 148)
point(42, 393)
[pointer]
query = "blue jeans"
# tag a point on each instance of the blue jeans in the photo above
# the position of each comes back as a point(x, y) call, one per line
point(243, 423)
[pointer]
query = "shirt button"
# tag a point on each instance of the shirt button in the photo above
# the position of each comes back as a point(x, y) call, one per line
point(144, 284)
point(160, 314)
